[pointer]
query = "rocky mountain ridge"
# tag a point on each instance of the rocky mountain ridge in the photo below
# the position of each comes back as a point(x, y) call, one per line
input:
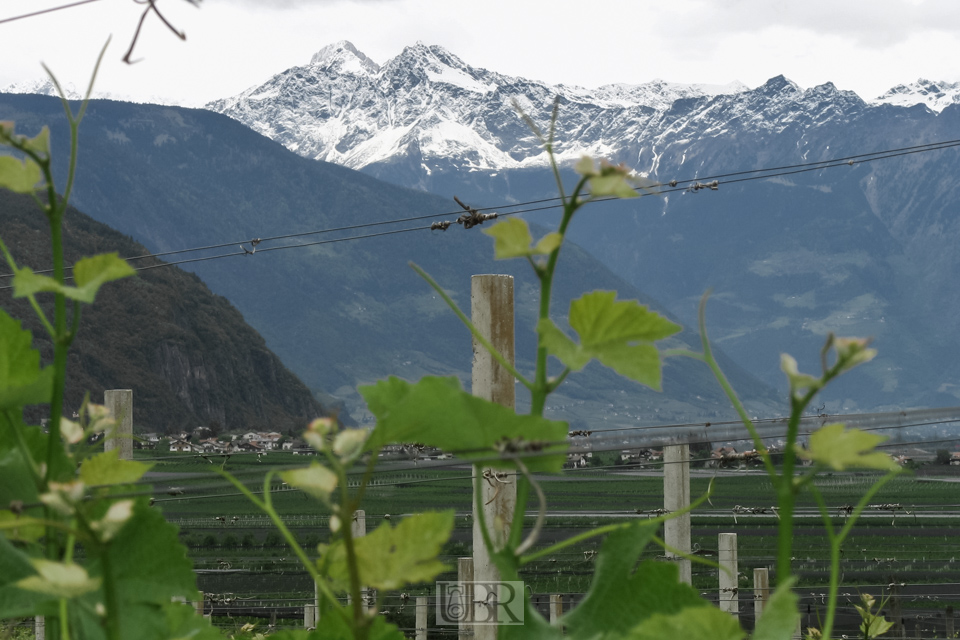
point(429, 108)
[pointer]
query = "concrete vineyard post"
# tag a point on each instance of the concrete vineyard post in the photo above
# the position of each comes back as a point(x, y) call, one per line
point(421, 628)
point(309, 616)
point(676, 496)
point(729, 584)
point(465, 608)
point(761, 590)
point(556, 607)
point(358, 529)
point(120, 403)
point(899, 629)
point(491, 300)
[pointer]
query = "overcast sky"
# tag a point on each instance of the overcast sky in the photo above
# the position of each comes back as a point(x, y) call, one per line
point(866, 46)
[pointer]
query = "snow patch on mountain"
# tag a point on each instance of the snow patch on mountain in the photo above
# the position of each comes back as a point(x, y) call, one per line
point(935, 95)
point(460, 79)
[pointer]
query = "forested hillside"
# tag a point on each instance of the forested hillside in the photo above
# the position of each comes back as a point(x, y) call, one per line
point(187, 354)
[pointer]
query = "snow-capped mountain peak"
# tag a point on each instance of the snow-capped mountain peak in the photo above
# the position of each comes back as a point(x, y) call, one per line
point(935, 95)
point(660, 94)
point(344, 57)
point(432, 113)
point(43, 87)
point(427, 102)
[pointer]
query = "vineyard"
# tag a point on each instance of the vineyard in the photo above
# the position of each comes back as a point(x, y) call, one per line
point(909, 537)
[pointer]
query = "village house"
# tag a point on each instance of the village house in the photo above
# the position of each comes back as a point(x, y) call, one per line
point(577, 460)
point(180, 446)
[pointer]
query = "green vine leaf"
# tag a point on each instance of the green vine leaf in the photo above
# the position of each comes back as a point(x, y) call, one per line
point(534, 627)
point(618, 334)
point(147, 560)
point(437, 412)
point(780, 616)
point(89, 274)
point(107, 468)
point(184, 624)
point(316, 480)
point(872, 624)
point(620, 598)
point(692, 623)
point(40, 143)
point(800, 383)
point(392, 557)
point(15, 566)
point(852, 352)
point(612, 180)
point(840, 448)
point(58, 579)
point(22, 381)
point(17, 176)
point(512, 239)
point(16, 527)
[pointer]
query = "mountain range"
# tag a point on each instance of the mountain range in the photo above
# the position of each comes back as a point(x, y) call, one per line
point(868, 247)
point(338, 312)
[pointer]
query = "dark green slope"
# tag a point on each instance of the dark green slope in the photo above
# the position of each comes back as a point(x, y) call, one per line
point(344, 313)
point(187, 353)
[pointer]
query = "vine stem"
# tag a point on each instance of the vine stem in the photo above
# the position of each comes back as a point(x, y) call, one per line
point(690, 556)
point(476, 332)
point(541, 512)
point(732, 396)
point(541, 386)
point(31, 298)
point(787, 487)
point(359, 618)
point(266, 506)
point(64, 619)
point(580, 537)
point(586, 535)
point(836, 542)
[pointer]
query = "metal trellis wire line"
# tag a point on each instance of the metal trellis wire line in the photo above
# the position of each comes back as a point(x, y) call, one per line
point(675, 185)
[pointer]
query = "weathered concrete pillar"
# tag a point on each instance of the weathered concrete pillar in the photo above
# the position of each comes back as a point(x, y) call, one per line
point(729, 584)
point(465, 577)
point(421, 632)
point(556, 607)
point(120, 403)
point(309, 616)
point(491, 298)
point(358, 529)
point(312, 610)
point(899, 629)
point(761, 590)
point(40, 627)
point(676, 496)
